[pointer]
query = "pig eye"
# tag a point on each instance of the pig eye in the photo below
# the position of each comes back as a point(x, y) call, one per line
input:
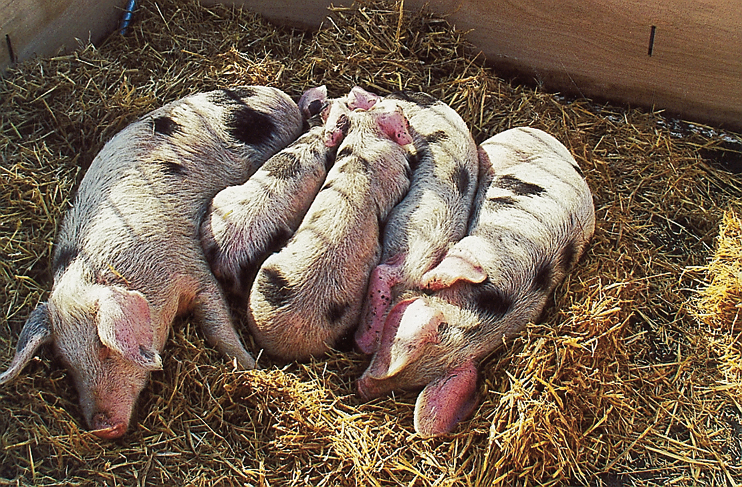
point(442, 328)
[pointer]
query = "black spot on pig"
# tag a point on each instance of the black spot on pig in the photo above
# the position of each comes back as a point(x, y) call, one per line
point(284, 165)
point(568, 255)
point(277, 241)
point(422, 99)
point(249, 267)
point(165, 126)
point(336, 312)
point(250, 126)
point(542, 281)
point(63, 257)
point(501, 201)
point(317, 215)
point(274, 286)
point(491, 301)
point(461, 178)
point(346, 151)
point(343, 124)
point(172, 168)
point(436, 137)
point(231, 97)
point(518, 187)
point(356, 164)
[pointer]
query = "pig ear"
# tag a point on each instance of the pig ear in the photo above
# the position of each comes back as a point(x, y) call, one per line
point(455, 266)
point(35, 333)
point(360, 98)
point(395, 125)
point(313, 101)
point(446, 401)
point(411, 325)
point(125, 326)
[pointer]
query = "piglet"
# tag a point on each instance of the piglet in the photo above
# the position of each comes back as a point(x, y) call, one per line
point(434, 214)
point(308, 295)
point(128, 258)
point(246, 223)
point(532, 220)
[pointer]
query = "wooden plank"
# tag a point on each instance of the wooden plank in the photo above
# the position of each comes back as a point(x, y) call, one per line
point(44, 27)
point(595, 48)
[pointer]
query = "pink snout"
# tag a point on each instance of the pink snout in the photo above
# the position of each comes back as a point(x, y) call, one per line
point(106, 428)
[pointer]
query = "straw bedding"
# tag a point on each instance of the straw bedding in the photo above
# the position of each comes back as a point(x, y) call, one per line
point(633, 376)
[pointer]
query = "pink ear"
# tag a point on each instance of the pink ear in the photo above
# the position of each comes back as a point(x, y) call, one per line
point(337, 124)
point(312, 101)
point(360, 98)
point(446, 401)
point(125, 326)
point(35, 333)
point(457, 265)
point(411, 325)
point(395, 125)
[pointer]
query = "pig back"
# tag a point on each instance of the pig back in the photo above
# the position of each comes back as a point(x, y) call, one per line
point(435, 211)
point(150, 185)
point(533, 212)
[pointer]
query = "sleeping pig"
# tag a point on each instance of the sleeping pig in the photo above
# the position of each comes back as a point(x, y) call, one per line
point(246, 223)
point(434, 214)
point(532, 220)
point(128, 258)
point(308, 295)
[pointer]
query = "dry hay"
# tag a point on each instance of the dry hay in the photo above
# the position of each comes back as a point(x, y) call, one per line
point(630, 378)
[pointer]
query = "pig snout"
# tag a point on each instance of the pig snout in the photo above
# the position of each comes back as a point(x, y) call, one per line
point(106, 426)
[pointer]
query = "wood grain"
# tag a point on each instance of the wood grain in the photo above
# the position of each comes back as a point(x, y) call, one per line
point(46, 27)
point(593, 48)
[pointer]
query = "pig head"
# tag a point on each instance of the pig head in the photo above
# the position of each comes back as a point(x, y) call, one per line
point(533, 218)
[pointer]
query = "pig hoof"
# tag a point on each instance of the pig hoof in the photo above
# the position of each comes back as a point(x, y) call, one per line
point(103, 427)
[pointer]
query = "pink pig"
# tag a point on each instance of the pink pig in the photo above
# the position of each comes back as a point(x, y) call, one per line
point(434, 213)
point(533, 219)
point(128, 259)
point(246, 223)
point(308, 295)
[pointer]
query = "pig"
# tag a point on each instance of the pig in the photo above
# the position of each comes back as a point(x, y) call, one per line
point(128, 259)
point(532, 219)
point(307, 296)
point(434, 214)
point(246, 223)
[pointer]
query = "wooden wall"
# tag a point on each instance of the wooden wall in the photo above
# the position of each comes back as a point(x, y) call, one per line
point(43, 27)
point(596, 48)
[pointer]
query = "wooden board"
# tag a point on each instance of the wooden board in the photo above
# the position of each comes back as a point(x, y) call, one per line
point(44, 27)
point(595, 48)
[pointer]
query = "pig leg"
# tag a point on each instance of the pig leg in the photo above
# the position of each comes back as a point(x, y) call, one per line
point(446, 401)
point(211, 309)
point(378, 301)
